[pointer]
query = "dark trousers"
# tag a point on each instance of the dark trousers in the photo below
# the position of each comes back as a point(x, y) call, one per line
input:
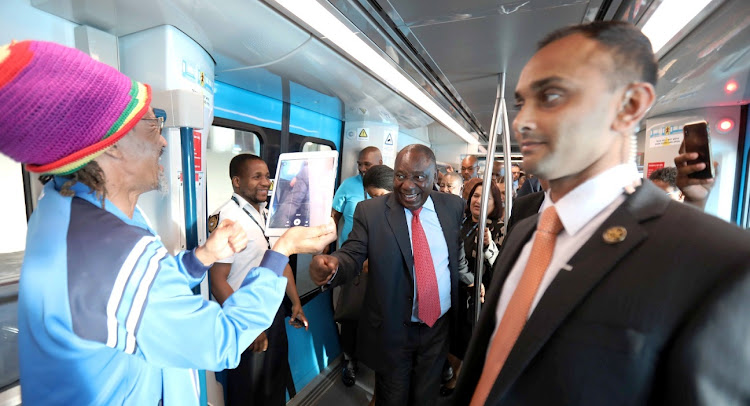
point(349, 338)
point(415, 379)
point(260, 378)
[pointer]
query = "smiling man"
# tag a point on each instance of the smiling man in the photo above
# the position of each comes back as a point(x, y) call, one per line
point(411, 237)
point(607, 296)
point(260, 378)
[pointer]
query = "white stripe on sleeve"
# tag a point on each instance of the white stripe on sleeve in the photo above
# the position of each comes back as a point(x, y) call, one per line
point(119, 288)
point(140, 299)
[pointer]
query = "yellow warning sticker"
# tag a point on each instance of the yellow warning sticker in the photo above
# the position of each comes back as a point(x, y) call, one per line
point(363, 135)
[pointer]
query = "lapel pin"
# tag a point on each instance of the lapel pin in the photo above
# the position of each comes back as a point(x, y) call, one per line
point(616, 234)
point(567, 267)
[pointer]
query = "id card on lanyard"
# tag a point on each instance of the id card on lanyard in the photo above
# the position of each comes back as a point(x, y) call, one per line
point(268, 243)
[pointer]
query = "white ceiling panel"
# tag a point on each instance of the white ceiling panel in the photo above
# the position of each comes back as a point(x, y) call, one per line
point(472, 42)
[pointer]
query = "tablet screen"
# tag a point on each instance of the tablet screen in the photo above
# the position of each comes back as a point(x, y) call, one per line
point(303, 190)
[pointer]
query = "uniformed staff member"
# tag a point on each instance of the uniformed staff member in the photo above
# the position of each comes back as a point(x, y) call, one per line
point(260, 378)
point(105, 313)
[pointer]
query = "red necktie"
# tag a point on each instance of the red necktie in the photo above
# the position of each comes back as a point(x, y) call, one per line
point(428, 295)
point(518, 308)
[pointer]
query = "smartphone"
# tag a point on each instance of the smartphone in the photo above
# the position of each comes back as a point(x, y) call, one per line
point(298, 323)
point(697, 140)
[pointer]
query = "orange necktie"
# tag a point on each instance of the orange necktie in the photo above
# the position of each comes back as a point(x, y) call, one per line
point(518, 308)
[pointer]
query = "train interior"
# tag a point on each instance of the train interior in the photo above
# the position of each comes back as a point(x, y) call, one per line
point(276, 76)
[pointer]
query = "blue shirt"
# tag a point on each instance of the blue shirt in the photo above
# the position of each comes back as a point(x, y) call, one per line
point(106, 315)
point(439, 251)
point(345, 201)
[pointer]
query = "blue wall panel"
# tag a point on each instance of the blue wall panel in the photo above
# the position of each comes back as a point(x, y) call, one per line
point(311, 351)
point(233, 103)
point(311, 124)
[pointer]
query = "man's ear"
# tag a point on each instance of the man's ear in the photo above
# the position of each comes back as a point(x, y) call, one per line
point(236, 182)
point(637, 99)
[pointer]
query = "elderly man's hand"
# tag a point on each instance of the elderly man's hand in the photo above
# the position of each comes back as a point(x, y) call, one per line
point(306, 240)
point(226, 240)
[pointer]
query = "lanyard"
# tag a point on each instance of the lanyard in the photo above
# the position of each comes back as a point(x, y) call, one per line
point(254, 220)
point(471, 230)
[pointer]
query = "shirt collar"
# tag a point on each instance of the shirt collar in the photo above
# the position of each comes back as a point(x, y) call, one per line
point(587, 200)
point(428, 205)
point(82, 191)
point(244, 203)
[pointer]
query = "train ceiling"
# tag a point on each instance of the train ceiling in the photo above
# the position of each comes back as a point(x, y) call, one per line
point(452, 49)
point(465, 44)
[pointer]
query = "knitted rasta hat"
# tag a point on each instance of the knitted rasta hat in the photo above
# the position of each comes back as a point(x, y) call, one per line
point(60, 109)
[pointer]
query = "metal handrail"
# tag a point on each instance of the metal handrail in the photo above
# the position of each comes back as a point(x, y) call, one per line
point(479, 269)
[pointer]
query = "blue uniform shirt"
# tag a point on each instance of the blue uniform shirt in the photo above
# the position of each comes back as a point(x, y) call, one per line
point(345, 201)
point(106, 315)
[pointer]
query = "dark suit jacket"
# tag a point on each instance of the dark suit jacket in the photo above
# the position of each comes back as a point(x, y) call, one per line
point(524, 206)
point(660, 318)
point(531, 185)
point(381, 234)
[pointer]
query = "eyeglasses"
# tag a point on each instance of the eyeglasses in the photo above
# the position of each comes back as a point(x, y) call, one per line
point(161, 116)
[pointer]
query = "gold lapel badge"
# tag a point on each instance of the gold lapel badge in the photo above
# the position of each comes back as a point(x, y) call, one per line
point(616, 234)
point(213, 221)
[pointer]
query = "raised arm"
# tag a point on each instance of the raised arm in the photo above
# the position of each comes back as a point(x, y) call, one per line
point(156, 316)
point(347, 262)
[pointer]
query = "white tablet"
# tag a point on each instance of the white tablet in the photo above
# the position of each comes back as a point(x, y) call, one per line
point(303, 190)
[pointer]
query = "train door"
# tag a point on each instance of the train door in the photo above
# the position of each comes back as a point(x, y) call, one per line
point(247, 122)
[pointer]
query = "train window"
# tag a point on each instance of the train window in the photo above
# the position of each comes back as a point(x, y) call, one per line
point(12, 246)
point(8, 335)
point(314, 146)
point(222, 145)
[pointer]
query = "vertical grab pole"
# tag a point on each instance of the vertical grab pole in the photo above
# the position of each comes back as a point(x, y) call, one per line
point(188, 187)
point(508, 174)
point(191, 217)
point(486, 197)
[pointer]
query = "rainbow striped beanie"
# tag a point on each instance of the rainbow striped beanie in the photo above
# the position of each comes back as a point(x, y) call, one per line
point(60, 109)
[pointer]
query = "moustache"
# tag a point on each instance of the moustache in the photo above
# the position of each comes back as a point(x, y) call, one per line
point(526, 137)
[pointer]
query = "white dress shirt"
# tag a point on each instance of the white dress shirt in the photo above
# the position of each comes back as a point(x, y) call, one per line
point(581, 212)
point(257, 246)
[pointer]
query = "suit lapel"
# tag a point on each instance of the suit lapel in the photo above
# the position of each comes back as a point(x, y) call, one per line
point(446, 224)
point(475, 355)
point(397, 221)
point(511, 248)
point(587, 267)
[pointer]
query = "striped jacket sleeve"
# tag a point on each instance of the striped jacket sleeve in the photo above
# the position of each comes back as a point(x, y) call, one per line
point(127, 292)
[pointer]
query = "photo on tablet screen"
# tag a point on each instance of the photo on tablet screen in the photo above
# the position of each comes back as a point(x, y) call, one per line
point(303, 190)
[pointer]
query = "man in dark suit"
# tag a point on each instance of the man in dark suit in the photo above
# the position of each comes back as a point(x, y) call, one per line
point(640, 300)
point(532, 185)
point(412, 240)
point(524, 206)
